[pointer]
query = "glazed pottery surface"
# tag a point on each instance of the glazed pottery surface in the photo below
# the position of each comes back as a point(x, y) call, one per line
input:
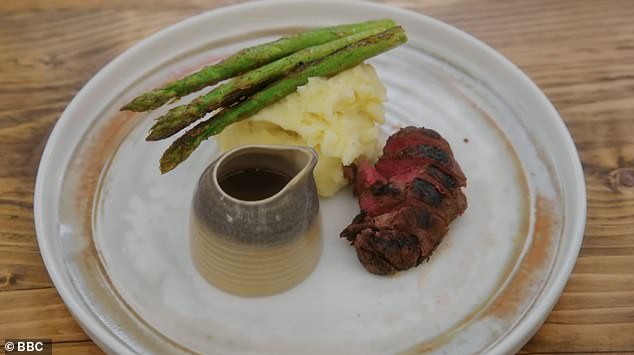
point(261, 247)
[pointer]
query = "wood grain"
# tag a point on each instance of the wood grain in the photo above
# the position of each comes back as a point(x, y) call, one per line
point(581, 53)
point(37, 313)
point(76, 347)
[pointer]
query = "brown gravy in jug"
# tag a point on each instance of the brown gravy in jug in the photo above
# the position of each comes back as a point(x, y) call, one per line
point(253, 184)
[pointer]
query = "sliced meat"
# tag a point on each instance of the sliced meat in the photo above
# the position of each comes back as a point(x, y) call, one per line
point(417, 157)
point(384, 252)
point(363, 176)
point(412, 136)
point(407, 199)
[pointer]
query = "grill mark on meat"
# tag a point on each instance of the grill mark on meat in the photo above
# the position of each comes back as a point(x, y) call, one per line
point(373, 262)
point(417, 218)
point(445, 179)
point(388, 250)
point(455, 202)
point(433, 153)
point(423, 218)
point(427, 192)
point(382, 189)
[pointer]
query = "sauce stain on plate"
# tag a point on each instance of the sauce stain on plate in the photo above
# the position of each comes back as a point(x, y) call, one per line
point(536, 258)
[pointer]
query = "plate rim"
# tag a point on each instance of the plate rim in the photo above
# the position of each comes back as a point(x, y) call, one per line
point(521, 332)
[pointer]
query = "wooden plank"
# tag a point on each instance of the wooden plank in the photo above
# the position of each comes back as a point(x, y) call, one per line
point(77, 348)
point(583, 338)
point(38, 313)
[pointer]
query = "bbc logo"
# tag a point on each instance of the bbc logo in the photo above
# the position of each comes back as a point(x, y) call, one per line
point(28, 346)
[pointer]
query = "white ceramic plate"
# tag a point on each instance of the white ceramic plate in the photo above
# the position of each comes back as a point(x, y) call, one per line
point(113, 231)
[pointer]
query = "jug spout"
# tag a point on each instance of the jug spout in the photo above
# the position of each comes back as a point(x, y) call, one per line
point(309, 155)
point(306, 158)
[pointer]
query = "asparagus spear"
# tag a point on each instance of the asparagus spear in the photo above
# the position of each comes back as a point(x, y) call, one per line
point(245, 60)
point(343, 59)
point(182, 116)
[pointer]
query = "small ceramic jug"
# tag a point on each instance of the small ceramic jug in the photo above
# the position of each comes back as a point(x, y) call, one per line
point(248, 236)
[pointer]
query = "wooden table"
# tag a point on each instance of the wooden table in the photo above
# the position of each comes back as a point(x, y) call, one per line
point(581, 53)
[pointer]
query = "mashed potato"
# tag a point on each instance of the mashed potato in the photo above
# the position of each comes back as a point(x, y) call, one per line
point(339, 117)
